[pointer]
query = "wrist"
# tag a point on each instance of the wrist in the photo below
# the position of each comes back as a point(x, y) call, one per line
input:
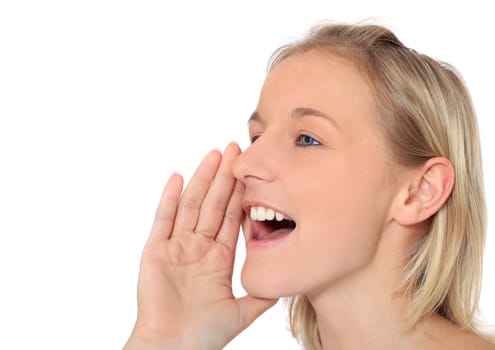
point(145, 339)
point(136, 343)
point(139, 343)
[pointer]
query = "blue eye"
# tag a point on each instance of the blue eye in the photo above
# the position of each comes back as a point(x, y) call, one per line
point(305, 140)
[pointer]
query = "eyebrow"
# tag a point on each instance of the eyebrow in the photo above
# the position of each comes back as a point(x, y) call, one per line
point(299, 113)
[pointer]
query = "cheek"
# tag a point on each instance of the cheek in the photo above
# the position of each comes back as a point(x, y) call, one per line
point(341, 215)
point(348, 213)
point(339, 235)
point(330, 243)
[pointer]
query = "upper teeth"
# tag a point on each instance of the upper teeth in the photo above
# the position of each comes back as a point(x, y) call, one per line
point(262, 214)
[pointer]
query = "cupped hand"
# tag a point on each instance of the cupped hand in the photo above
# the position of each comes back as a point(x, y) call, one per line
point(185, 298)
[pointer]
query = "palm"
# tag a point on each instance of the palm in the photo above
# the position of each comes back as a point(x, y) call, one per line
point(197, 261)
point(186, 269)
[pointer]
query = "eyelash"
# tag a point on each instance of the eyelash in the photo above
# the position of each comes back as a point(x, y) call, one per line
point(313, 141)
point(254, 138)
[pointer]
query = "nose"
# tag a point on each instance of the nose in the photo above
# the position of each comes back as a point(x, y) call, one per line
point(256, 163)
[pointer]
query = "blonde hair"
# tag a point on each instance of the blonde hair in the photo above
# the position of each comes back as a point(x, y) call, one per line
point(424, 110)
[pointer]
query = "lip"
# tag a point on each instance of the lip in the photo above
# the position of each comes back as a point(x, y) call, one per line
point(254, 243)
point(266, 243)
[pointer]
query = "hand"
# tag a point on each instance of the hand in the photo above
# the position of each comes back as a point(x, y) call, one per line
point(185, 298)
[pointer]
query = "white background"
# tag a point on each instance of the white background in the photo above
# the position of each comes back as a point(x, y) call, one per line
point(100, 101)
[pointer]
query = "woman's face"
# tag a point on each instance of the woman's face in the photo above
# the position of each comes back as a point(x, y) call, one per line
point(318, 159)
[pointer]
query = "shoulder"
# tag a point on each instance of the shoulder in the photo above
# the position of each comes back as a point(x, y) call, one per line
point(461, 339)
point(446, 335)
point(473, 341)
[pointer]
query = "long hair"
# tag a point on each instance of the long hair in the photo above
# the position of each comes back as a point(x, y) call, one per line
point(424, 111)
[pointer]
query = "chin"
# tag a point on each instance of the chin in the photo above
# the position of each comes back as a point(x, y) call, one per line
point(260, 283)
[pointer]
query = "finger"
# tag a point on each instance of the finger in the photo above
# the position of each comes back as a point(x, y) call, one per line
point(195, 192)
point(167, 208)
point(229, 231)
point(213, 208)
point(250, 308)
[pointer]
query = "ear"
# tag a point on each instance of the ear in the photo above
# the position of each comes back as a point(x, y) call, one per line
point(425, 192)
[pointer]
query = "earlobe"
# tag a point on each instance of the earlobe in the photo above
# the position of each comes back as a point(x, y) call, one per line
point(426, 192)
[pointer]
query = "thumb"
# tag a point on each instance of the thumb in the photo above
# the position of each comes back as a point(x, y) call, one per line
point(250, 308)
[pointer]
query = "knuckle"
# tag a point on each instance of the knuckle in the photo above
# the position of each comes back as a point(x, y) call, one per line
point(232, 216)
point(165, 216)
point(217, 205)
point(205, 232)
point(188, 203)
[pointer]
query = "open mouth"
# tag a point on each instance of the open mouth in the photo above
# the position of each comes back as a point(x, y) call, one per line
point(268, 224)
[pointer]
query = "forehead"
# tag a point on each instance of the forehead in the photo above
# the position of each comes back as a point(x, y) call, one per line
point(321, 80)
point(316, 79)
point(314, 70)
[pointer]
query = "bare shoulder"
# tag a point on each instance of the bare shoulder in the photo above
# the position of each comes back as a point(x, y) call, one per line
point(445, 335)
point(463, 340)
point(473, 341)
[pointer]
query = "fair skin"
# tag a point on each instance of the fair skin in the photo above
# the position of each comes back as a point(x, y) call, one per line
point(318, 159)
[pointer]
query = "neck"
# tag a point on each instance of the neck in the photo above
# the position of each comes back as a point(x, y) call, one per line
point(365, 317)
point(364, 310)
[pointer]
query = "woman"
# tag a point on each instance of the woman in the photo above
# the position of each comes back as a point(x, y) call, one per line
point(360, 198)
